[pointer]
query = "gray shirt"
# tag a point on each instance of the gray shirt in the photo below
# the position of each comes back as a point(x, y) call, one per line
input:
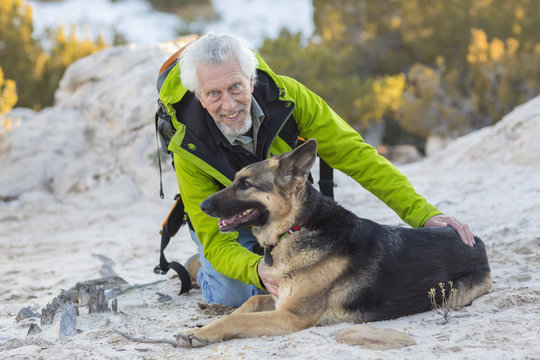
point(247, 142)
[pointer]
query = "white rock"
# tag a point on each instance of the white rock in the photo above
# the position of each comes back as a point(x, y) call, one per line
point(100, 132)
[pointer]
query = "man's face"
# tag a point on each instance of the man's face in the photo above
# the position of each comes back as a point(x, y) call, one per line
point(225, 92)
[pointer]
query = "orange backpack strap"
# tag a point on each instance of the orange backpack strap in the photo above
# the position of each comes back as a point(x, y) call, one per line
point(184, 41)
point(170, 60)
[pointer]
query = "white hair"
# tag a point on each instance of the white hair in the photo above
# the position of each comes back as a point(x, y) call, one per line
point(215, 49)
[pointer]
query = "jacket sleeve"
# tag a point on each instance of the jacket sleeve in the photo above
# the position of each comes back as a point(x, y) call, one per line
point(344, 149)
point(221, 249)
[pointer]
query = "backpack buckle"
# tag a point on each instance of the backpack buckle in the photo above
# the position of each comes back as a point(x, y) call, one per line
point(158, 271)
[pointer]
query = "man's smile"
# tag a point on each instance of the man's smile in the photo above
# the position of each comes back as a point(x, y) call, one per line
point(232, 116)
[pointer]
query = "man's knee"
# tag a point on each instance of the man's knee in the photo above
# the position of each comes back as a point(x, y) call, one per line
point(227, 291)
point(218, 288)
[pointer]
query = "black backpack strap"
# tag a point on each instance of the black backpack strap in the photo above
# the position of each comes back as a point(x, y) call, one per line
point(161, 195)
point(326, 182)
point(176, 217)
point(170, 227)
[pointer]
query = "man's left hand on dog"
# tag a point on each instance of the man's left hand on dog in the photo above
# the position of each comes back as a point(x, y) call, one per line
point(462, 229)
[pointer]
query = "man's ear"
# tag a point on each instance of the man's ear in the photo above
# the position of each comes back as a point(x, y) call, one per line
point(299, 162)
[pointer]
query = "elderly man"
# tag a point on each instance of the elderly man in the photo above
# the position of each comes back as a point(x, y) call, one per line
point(230, 110)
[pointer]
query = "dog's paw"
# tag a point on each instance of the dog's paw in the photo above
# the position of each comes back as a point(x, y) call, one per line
point(190, 340)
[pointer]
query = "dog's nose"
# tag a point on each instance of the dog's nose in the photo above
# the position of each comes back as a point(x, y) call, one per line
point(206, 206)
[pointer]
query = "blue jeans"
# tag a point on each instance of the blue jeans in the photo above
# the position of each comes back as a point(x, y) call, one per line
point(218, 288)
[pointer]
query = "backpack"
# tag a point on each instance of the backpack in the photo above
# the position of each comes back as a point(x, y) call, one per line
point(177, 217)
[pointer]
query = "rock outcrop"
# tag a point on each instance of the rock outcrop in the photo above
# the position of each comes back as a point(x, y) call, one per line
point(98, 139)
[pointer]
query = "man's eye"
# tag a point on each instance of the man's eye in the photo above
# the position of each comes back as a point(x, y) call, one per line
point(212, 94)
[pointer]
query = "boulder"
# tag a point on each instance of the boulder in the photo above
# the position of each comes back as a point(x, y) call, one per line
point(98, 139)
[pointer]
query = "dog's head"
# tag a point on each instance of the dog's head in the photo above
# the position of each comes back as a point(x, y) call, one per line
point(265, 192)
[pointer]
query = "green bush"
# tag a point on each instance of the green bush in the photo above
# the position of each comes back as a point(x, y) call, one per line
point(359, 101)
point(66, 49)
point(442, 67)
point(8, 98)
point(36, 71)
point(501, 74)
point(20, 54)
point(8, 94)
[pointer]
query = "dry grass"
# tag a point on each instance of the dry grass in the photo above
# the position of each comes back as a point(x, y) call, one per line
point(448, 300)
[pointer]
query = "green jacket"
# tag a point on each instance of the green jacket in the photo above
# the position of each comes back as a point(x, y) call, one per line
point(205, 162)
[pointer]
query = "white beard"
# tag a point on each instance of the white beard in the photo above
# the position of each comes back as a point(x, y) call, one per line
point(239, 130)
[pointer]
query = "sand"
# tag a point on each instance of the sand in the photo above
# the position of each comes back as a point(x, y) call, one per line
point(489, 179)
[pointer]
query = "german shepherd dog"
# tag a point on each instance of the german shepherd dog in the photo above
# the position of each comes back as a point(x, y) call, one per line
point(331, 266)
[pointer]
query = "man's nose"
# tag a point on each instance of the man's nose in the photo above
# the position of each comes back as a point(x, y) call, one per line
point(228, 103)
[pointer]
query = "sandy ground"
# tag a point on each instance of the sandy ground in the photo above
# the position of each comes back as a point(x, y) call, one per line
point(47, 246)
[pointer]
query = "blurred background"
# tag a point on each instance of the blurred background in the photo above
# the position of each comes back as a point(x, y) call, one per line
point(417, 72)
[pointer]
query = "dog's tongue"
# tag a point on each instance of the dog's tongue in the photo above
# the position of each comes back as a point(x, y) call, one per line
point(228, 221)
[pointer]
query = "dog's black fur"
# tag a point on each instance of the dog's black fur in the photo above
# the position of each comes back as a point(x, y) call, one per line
point(405, 263)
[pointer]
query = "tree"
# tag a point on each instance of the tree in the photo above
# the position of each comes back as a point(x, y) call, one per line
point(8, 94)
point(359, 101)
point(431, 66)
point(502, 74)
point(427, 108)
point(8, 98)
point(65, 50)
point(20, 54)
point(35, 71)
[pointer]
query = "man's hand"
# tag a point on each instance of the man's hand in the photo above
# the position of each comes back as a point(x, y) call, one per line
point(462, 229)
point(270, 285)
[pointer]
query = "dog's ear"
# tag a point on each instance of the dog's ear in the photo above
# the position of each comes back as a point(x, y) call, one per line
point(299, 162)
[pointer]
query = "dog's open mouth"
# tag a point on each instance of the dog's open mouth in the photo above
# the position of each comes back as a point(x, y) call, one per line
point(238, 220)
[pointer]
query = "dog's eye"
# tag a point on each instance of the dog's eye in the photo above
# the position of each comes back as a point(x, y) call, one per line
point(243, 184)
